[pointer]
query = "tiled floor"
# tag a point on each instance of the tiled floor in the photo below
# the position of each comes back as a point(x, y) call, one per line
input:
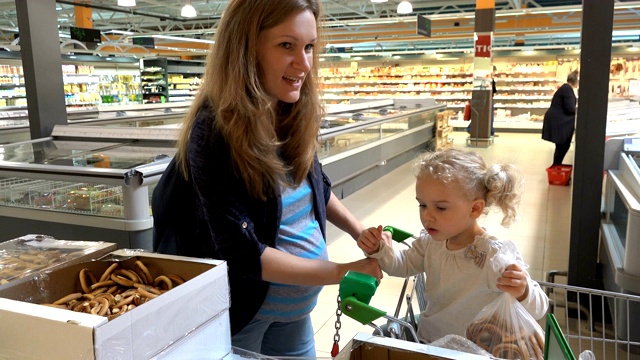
point(542, 234)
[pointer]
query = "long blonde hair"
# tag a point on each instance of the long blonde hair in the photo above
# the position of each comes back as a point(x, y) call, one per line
point(266, 143)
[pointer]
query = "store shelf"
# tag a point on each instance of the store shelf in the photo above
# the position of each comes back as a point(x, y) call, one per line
point(154, 81)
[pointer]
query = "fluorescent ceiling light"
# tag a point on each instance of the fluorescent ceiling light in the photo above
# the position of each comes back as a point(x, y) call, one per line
point(126, 2)
point(405, 7)
point(178, 38)
point(188, 11)
point(379, 1)
point(121, 32)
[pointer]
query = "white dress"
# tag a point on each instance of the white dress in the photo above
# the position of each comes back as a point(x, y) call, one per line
point(457, 287)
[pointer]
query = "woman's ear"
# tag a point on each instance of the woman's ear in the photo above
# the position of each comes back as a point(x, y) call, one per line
point(477, 207)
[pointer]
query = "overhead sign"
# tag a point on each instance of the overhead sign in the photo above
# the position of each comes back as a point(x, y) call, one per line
point(483, 45)
point(84, 34)
point(147, 42)
point(423, 25)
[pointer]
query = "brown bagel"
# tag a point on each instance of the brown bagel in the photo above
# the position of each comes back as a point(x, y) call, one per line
point(485, 335)
point(508, 351)
point(107, 274)
point(163, 282)
point(143, 269)
point(85, 280)
point(535, 351)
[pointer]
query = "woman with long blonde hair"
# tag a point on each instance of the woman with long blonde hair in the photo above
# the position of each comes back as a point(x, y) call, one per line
point(247, 148)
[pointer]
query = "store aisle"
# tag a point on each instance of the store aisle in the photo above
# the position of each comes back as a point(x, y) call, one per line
point(542, 232)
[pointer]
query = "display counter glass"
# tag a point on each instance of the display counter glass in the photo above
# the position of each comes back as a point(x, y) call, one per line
point(86, 177)
point(78, 187)
point(361, 141)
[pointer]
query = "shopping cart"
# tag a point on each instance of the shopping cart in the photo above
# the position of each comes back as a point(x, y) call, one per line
point(604, 322)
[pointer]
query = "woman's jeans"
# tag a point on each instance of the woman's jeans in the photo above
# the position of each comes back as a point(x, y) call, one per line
point(271, 338)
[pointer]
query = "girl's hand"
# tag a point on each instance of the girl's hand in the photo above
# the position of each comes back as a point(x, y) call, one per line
point(514, 281)
point(369, 240)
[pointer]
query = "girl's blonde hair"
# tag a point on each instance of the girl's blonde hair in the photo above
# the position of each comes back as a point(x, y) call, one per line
point(266, 142)
point(498, 184)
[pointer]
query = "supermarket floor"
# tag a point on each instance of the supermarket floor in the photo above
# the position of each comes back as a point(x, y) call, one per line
point(542, 234)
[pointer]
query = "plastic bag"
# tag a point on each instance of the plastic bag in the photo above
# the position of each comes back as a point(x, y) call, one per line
point(459, 343)
point(504, 327)
point(506, 330)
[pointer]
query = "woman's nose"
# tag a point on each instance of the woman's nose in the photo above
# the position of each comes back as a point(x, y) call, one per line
point(303, 61)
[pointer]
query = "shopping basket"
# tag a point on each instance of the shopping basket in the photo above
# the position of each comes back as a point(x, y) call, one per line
point(559, 174)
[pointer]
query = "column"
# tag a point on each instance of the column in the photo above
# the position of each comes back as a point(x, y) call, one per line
point(482, 95)
point(591, 124)
point(42, 64)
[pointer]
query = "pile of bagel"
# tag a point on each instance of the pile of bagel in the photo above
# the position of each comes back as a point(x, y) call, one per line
point(117, 290)
point(507, 340)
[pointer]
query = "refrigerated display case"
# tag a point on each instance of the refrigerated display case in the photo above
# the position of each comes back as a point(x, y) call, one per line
point(84, 182)
point(95, 182)
point(361, 141)
point(14, 124)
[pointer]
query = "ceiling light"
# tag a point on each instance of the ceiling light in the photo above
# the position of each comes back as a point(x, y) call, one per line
point(188, 11)
point(405, 7)
point(379, 1)
point(126, 2)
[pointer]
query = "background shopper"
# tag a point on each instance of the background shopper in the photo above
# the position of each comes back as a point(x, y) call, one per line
point(248, 150)
point(559, 121)
point(454, 188)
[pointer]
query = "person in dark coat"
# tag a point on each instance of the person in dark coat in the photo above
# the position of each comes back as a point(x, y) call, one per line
point(559, 120)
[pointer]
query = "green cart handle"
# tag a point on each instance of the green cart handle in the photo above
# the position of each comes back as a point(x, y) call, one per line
point(398, 235)
point(356, 290)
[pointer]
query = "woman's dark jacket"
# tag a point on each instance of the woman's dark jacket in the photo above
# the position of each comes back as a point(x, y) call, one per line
point(213, 216)
point(559, 120)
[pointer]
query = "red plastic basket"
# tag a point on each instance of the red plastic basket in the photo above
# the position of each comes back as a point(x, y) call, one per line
point(559, 174)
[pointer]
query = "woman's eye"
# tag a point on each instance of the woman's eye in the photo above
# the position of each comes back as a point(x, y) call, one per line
point(309, 48)
point(286, 45)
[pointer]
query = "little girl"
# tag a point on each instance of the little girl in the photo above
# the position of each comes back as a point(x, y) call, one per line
point(454, 188)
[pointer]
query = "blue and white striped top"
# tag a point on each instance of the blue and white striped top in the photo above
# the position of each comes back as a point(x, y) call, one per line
point(299, 235)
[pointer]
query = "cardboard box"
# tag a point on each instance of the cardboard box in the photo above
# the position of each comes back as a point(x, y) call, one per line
point(29, 255)
point(209, 341)
point(370, 347)
point(31, 331)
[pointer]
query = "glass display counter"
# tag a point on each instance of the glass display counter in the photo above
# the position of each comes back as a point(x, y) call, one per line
point(88, 183)
point(362, 141)
point(92, 182)
point(620, 237)
point(14, 124)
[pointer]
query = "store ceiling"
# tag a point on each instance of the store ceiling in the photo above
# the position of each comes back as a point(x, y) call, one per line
point(351, 26)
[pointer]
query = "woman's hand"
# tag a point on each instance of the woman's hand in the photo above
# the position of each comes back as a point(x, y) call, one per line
point(514, 281)
point(369, 240)
point(366, 266)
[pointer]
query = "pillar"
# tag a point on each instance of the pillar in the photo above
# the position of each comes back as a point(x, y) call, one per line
point(42, 64)
point(482, 95)
point(591, 125)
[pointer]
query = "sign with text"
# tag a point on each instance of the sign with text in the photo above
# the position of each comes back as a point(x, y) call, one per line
point(423, 26)
point(483, 45)
point(84, 34)
point(147, 42)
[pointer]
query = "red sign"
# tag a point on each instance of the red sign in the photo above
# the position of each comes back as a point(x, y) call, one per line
point(483, 46)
